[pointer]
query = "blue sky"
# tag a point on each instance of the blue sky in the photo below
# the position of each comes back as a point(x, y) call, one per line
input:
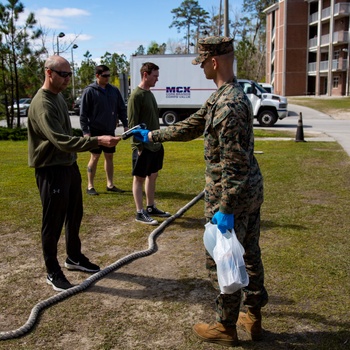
point(110, 25)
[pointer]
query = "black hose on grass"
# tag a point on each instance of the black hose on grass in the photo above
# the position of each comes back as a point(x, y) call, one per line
point(152, 248)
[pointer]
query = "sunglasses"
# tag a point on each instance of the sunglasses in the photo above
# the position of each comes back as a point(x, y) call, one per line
point(105, 75)
point(62, 74)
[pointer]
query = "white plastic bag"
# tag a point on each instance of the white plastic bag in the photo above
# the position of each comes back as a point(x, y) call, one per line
point(228, 255)
point(209, 237)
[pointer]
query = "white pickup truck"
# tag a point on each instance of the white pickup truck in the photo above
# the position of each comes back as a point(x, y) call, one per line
point(267, 107)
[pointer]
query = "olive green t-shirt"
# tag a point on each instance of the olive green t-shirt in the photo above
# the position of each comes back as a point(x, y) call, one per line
point(143, 108)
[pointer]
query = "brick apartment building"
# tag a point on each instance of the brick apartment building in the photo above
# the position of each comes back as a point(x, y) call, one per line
point(307, 45)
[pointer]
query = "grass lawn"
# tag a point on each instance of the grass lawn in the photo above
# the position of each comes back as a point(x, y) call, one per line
point(323, 104)
point(304, 241)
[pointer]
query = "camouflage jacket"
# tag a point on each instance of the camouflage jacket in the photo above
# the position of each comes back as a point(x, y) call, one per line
point(234, 182)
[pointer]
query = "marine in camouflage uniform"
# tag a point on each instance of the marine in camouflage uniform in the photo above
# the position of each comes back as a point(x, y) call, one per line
point(234, 183)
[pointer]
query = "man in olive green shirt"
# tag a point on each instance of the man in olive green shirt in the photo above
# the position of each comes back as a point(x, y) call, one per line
point(147, 157)
point(52, 152)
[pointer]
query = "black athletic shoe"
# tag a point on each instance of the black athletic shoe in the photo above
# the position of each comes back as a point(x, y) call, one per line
point(154, 211)
point(83, 264)
point(115, 189)
point(58, 281)
point(92, 192)
point(144, 218)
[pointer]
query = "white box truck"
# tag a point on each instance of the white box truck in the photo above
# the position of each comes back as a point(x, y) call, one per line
point(182, 89)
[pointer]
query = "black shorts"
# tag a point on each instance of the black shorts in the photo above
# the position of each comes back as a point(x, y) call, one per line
point(147, 162)
point(99, 149)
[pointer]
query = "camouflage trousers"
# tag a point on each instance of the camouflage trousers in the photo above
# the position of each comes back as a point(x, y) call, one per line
point(247, 228)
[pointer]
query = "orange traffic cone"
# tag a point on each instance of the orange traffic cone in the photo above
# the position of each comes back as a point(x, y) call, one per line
point(299, 137)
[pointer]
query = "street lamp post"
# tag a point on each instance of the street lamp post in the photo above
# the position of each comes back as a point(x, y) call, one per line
point(75, 46)
point(61, 35)
point(226, 19)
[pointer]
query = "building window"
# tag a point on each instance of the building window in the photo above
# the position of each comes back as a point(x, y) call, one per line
point(336, 54)
point(335, 82)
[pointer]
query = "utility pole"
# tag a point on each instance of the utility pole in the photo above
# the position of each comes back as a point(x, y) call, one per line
point(220, 11)
point(226, 19)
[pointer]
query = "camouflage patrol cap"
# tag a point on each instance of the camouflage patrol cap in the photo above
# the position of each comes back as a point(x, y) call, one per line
point(213, 46)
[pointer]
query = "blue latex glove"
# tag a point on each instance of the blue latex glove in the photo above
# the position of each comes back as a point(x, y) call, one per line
point(141, 134)
point(223, 221)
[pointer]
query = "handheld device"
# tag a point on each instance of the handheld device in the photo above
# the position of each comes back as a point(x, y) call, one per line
point(127, 134)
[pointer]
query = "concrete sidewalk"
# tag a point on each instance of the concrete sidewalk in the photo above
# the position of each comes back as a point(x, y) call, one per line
point(324, 126)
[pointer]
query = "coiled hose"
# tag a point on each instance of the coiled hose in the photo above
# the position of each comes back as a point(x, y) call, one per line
point(152, 248)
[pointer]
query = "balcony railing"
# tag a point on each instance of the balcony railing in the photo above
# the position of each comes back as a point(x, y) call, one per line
point(313, 17)
point(338, 37)
point(341, 37)
point(340, 64)
point(326, 13)
point(313, 42)
point(324, 66)
point(312, 67)
point(337, 65)
point(341, 9)
point(325, 39)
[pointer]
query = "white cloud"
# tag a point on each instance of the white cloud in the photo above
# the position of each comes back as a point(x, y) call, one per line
point(54, 18)
point(49, 22)
point(65, 12)
point(84, 37)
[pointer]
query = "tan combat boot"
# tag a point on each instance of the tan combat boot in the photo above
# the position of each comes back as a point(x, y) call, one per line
point(216, 332)
point(251, 323)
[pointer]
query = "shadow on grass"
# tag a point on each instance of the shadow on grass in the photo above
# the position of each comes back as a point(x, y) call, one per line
point(156, 289)
point(309, 340)
point(159, 194)
point(189, 223)
point(267, 225)
point(177, 195)
point(304, 331)
point(200, 291)
point(278, 300)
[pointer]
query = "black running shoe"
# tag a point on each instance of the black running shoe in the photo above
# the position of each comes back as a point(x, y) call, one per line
point(154, 211)
point(83, 264)
point(144, 218)
point(115, 189)
point(92, 192)
point(58, 281)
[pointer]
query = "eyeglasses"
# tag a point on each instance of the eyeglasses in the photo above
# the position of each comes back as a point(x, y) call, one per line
point(105, 75)
point(61, 74)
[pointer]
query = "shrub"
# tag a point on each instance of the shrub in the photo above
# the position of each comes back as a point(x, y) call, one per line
point(16, 134)
point(20, 134)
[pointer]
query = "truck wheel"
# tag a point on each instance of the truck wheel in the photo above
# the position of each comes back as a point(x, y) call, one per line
point(169, 117)
point(267, 118)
